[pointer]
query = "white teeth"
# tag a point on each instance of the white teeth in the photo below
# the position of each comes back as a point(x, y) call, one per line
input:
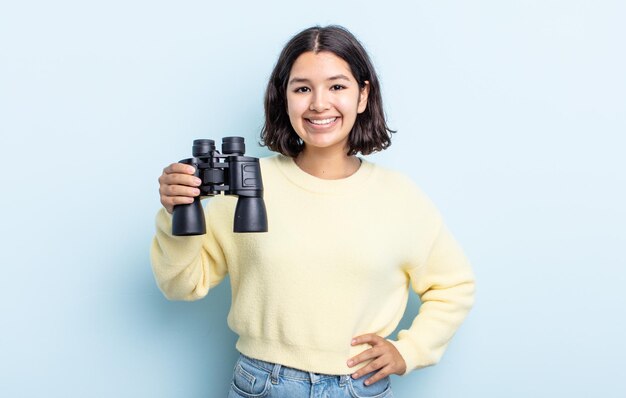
point(323, 121)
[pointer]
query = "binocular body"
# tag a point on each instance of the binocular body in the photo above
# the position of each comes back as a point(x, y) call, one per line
point(231, 173)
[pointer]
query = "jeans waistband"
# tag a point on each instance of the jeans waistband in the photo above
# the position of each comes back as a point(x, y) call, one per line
point(277, 370)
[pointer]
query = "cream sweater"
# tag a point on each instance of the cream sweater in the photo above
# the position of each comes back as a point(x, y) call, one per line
point(337, 262)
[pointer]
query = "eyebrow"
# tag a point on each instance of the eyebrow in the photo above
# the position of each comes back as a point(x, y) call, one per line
point(303, 80)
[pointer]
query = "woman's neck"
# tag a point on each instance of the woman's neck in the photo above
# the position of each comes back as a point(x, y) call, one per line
point(326, 165)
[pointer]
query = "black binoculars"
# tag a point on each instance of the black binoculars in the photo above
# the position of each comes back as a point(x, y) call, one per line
point(231, 173)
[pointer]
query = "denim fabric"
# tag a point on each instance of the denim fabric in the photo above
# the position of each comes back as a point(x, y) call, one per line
point(253, 378)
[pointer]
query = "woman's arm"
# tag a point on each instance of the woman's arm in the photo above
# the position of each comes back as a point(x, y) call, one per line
point(185, 267)
point(445, 284)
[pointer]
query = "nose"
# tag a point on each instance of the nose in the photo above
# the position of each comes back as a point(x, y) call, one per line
point(319, 102)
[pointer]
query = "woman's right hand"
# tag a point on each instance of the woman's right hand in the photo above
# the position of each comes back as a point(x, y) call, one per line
point(177, 185)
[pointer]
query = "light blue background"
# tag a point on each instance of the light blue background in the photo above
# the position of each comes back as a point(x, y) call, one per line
point(511, 116)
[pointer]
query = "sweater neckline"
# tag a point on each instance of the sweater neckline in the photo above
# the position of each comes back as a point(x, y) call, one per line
point(296, 175)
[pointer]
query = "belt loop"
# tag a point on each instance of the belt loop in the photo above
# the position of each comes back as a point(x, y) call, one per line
point(275, 373)
point(343, 380)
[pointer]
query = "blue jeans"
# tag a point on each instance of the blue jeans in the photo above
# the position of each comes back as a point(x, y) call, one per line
point(253, 378)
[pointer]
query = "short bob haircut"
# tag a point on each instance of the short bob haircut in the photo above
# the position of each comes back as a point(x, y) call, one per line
point(370, 132)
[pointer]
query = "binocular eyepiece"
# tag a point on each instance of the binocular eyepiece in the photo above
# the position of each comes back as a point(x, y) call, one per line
point(230, 172)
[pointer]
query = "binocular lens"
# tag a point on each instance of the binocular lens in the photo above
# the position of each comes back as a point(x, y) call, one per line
point(203, 147)
point(189, 219)
point(233, 146)
point(250, 215)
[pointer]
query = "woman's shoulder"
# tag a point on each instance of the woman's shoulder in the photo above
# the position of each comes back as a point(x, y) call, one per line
point(402, 186)
point(273, 161)
point(395, 179)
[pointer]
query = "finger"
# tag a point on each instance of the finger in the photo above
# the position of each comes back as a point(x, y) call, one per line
point(180, 200)
point(384, 372)
point(369, 368)
point(179, 179)
point(170, 201)
point(179, 190)
point(364, 356)
point(179, 168)
point(369, 338)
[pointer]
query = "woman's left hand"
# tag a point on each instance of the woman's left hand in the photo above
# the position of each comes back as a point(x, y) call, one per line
point(384, 356)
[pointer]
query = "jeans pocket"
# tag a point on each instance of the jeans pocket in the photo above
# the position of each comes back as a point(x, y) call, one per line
point(249, 381)
point(380, 389)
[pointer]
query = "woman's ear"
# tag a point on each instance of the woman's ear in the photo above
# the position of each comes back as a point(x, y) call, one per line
point(365, 91)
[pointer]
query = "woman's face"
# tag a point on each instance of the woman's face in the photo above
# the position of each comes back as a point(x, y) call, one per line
point(323, 100)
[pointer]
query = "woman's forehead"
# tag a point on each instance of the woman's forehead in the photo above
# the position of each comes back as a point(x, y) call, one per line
point(323, 65)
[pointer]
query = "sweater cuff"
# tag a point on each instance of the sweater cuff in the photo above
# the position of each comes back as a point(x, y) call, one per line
point(412, 356)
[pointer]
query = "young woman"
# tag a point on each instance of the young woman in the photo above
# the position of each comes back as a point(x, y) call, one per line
point(314, 298)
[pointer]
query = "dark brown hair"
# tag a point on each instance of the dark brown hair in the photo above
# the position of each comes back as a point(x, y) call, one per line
point(370, 132)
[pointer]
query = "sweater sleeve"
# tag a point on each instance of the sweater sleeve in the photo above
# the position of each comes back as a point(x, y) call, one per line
point(445, 285)
point(185, 267)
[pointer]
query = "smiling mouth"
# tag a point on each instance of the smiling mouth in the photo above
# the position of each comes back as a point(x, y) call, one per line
point(322, 122)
